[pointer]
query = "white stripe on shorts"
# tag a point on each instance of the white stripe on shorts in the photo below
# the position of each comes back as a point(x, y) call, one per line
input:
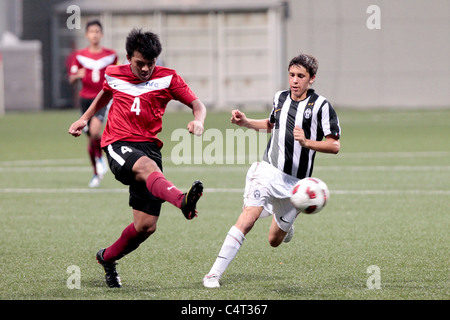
point(116, 156)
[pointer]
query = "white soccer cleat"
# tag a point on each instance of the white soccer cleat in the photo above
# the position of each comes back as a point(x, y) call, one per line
point(95, 182)
point(211, 281)
point(101, 167)
point(289, 235)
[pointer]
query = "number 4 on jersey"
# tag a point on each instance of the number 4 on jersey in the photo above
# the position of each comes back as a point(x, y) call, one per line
point(136, 107)
point(125, 149)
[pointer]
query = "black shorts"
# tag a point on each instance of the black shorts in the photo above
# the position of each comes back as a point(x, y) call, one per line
point(122, 155)
point(100, 114)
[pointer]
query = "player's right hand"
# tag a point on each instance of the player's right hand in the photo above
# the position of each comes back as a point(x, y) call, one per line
point(81, 73)
point(77, 127)
point(299, 135)
point(238, 117)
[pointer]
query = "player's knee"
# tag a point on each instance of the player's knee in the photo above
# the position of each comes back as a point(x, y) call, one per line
point(146, 229)
point(274, 242)
point(275, 239)
point(95, 135)
point(144, 167)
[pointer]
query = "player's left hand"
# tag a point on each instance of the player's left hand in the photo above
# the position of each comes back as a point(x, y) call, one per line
point(195, 127)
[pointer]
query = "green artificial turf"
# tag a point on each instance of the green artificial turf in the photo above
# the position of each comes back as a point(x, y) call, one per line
point(389, 208)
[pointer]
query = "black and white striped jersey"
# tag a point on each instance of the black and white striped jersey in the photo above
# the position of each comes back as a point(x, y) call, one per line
point(314, 115)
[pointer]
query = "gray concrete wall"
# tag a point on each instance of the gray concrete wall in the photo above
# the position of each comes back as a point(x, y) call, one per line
point(22, 76)
point(403, 64)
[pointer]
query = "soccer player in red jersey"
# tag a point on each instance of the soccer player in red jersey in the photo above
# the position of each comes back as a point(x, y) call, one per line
point(140, 92)
point(89, 67)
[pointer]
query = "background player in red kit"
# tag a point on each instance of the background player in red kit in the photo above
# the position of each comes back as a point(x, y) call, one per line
point(140, 92)
point(89, 66)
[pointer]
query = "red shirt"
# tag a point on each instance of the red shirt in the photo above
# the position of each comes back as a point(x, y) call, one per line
point(95, 65)
point(137, 108)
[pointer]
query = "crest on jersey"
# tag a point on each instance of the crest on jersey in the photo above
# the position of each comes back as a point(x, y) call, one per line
point(308, 113)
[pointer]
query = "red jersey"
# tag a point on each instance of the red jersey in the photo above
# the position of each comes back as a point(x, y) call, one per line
point(95, 65)
point(137, 108)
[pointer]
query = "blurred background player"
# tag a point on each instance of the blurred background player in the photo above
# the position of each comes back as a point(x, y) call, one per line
point(299, 122)
point(141, 91)
point(89, 66)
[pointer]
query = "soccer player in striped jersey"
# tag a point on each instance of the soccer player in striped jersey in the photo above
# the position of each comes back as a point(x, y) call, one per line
point(302, 123)
point(140, 92)
point(89, 67)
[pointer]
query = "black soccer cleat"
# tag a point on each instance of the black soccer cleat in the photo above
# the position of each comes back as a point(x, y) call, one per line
point(190, 199)
point(111, 276)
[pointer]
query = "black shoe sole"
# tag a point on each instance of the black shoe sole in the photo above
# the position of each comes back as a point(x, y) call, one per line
point(111, 276)
point(190, 200)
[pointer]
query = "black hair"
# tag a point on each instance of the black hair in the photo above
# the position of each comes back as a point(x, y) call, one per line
point(94, 23)
point(307, 61)
point(146, 43)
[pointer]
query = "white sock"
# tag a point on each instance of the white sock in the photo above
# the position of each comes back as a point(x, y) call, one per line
point(229, 250)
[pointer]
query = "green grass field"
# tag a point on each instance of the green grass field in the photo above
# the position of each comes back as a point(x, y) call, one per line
point(389, 208)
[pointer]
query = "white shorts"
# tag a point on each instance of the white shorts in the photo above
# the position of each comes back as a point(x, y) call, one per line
point(270, 188)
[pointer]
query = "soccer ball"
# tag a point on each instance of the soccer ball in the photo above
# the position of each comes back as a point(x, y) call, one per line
point(310, 195)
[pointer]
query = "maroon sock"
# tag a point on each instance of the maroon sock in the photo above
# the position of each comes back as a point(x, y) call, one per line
point(96, 145)
point(162, 188)
point(128, 241)
point(92, 152)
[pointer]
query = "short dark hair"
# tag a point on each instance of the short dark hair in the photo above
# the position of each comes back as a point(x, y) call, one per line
point(94, 23)
point(147, 43)
point(307, 61)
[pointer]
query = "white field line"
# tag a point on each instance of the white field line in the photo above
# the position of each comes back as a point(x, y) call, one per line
point(230, 168)
point(46, 169)
point(382, 155)
point(43, 162)
point(217, 190)
point(61, 165)
point(167, 160)
point(383, 168)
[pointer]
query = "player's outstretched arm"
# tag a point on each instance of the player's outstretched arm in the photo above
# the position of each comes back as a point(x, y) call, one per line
point(99, 102)
point(239, 118)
